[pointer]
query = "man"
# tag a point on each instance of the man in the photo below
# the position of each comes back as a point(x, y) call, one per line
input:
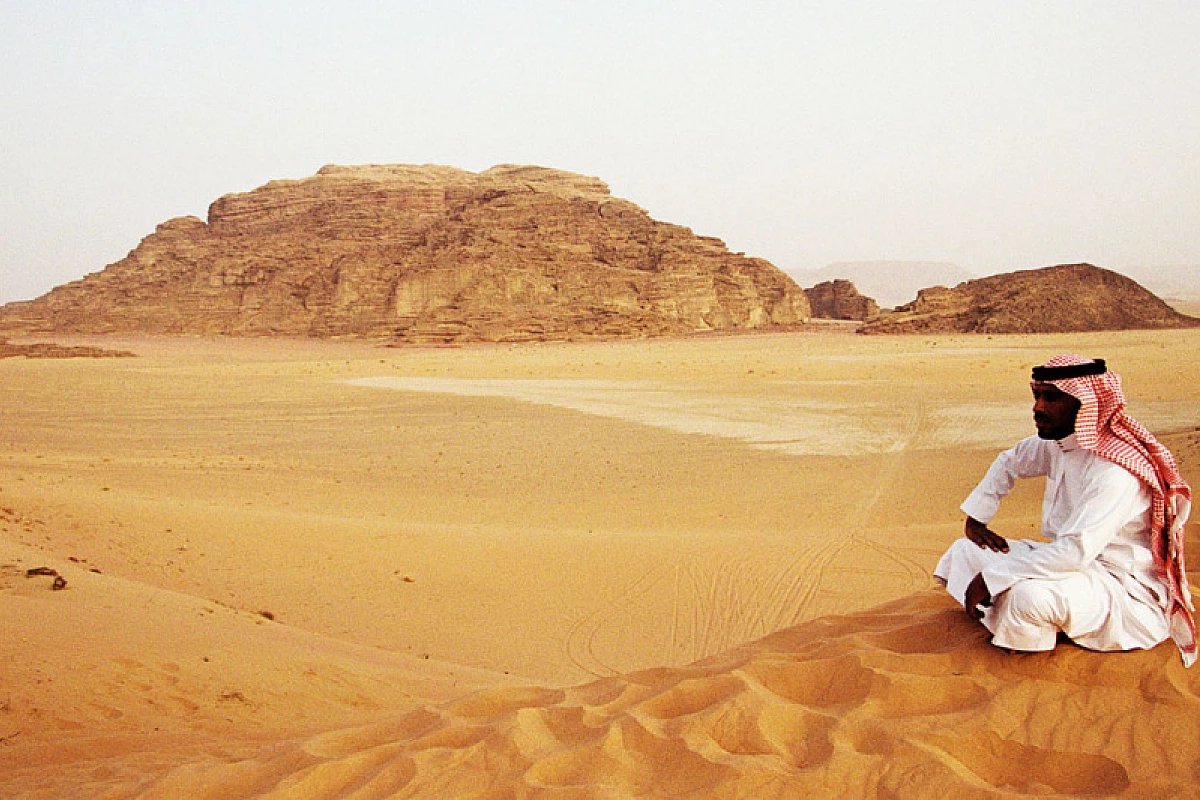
point(1112, 576)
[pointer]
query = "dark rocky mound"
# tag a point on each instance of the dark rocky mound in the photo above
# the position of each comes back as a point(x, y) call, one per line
point(51, 350)
point(839, 299)
point(1061, 299)
point(423, 254)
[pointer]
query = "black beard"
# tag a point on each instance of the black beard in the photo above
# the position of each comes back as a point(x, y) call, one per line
point(1054, 434)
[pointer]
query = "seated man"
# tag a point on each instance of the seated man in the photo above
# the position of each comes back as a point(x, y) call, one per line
point(1112, 575)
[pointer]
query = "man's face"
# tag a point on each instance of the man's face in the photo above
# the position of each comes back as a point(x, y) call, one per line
point(1054, 411)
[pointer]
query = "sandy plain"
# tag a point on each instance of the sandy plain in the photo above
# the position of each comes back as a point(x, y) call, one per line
point(313, 569)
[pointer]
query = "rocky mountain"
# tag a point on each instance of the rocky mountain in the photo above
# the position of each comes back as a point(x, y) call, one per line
point(839, 299)
point(423, 254)
point(1065, 298)
point(888, 282)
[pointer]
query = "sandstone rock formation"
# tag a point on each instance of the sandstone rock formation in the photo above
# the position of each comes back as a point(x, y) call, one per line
point(890, 283)
point(423, 254)
point(839, 299)
point(1060, 299)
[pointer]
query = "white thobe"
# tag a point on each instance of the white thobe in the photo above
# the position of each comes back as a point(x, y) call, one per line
point(1094, 580)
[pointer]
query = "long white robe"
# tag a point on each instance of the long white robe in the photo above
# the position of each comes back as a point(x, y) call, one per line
point(1094, 580)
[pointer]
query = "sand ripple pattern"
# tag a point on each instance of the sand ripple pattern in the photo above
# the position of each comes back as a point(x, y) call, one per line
point(904, 701)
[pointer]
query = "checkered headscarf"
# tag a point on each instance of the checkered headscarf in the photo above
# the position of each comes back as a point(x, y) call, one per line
point(1103, 427)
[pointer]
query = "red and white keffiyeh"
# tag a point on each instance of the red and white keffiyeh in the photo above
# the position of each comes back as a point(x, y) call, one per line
point(1103, 427)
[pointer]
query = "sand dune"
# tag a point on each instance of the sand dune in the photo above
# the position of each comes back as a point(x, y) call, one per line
point(317, 569)
point(107, 678)
point(906, 700)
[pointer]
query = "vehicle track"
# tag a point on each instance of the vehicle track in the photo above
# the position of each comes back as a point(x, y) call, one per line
point(712, 610)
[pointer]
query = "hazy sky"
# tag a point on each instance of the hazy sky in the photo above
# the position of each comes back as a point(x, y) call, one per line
point(996, 135)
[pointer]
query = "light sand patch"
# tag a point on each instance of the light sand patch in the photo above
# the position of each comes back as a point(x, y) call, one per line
point(796, 425)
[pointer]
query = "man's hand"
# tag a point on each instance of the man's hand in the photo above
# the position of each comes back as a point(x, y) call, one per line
point(983, 536)
point(977, 595)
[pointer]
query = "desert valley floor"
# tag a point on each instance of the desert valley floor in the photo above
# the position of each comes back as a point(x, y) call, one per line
point(297, 567)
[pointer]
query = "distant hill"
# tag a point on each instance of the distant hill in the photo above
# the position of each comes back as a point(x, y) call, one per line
point(889, 283)
point(422, 254)
point(1066, 298)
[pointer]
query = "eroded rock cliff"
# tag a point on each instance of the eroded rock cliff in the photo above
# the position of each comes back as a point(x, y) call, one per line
point(839, 299)
point(423, 254)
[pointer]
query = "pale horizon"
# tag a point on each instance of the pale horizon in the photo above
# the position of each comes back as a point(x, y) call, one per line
point(992, 137)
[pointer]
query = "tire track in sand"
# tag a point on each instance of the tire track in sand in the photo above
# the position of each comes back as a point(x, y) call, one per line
point(712, 610)
point(805, 580)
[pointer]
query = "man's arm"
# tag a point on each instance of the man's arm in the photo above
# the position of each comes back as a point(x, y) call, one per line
point(1029, 458)
point(977, 593)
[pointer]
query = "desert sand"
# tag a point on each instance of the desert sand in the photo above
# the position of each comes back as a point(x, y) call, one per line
point(694, 567)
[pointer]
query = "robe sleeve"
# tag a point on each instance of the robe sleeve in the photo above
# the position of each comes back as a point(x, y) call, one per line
point(1029, 458)
point(1111, 498)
